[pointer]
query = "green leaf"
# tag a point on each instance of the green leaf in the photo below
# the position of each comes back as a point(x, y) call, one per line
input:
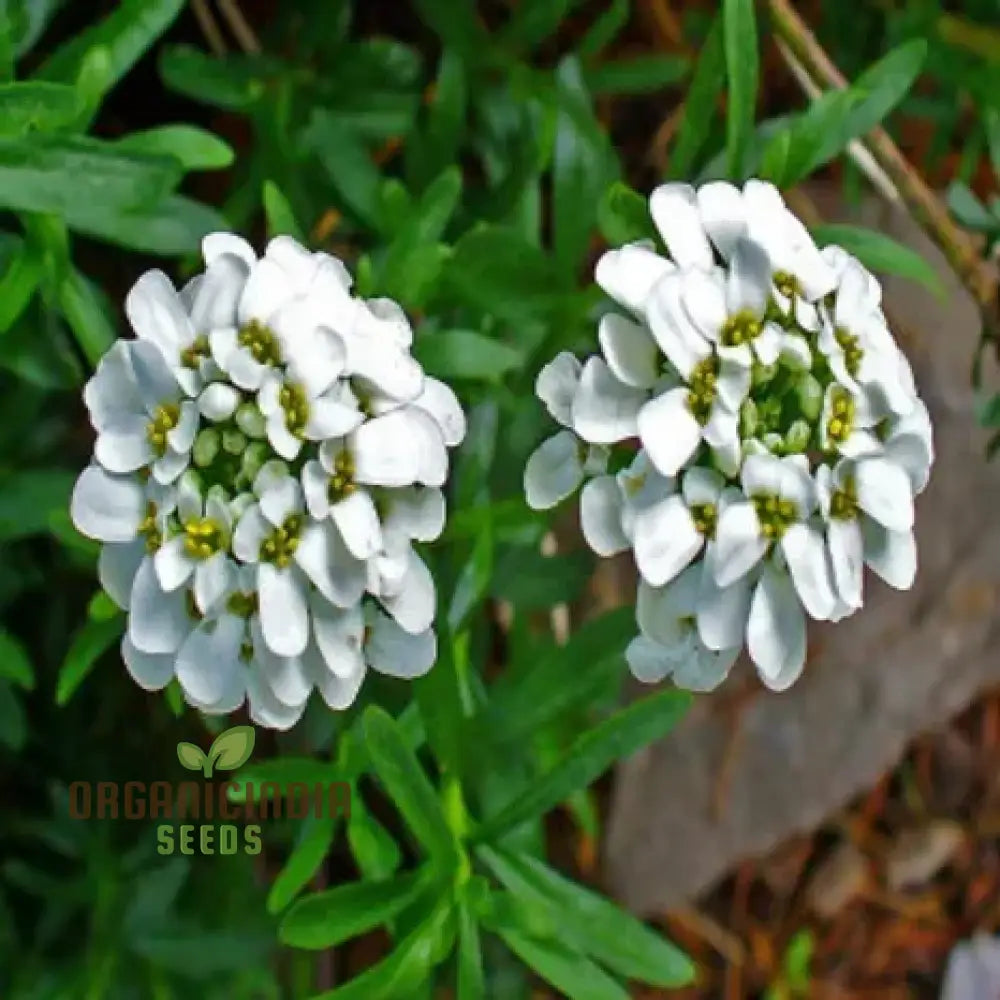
point(456, 22)
point(28, 500)
point(496, 270)
point(988, 410)
point(700, 105)
point(623, 216)
point(87, 313)
point(234, 83)
point(471, 975)
point(57, 174)
point(36, 105)
point(174, 226)
point(324, 919)
point(568, 971)
point(583, 165)
point(18, 285)
point(531, 581)
point(90, 642)
point(13, 722)
point(592, 923)
point(589, 757)
point(280, 214)
point(881, 253)
point(435, 146)
point(377, 854)
point(638, 75)
point(404, 779)
point(303, 863)
point(192, 147)
point(192, 757)
point(127, 33)
point(969, 210)
point(101, 608)
point(605, 29)
point(742, 70)
point(473, 579)
point(232, 748)
point(347, 162)
point(533, 22)
point(15, 664)
point(466, 354)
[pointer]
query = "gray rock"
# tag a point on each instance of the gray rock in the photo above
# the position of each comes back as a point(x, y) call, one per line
point(903, 665)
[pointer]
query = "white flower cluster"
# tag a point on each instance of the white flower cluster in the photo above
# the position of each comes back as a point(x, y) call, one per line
point(267, 453)
point(781, 438)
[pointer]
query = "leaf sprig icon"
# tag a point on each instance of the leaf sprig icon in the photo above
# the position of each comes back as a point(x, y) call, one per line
point(230, 750)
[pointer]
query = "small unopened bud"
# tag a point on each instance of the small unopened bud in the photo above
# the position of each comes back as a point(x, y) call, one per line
point(762, 374)
point(206, 447)
point(234, 442)
point(797, 438)
point(251, 421)
point(810, 396)
point(253, 459)
point(774, 443)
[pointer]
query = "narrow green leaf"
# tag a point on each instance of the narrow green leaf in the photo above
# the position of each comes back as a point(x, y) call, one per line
point(533, 22)
point(592, 923)
point(881, 253)
point(569, 972)
point(377, 854)
point(742, 71)
point(589, 757)
point(234, 83)
point(193, 147)
point(15, 664)
point(623, 216)
point(127, 33)
point(456, 22)
point(18, 285)
point(87, 314)
point(408, 786)
point(474, 579)
point(36, 105)
point(29, 498)
point(324, 919)
point(969, 210)
point(347, 162)
point(605, 29)
point(435, 146)
point(280, 214)
point(471, 975)
point(13, 723)
point(89, 643)
point(638, 75)
point(466, 354)
point(700, 105)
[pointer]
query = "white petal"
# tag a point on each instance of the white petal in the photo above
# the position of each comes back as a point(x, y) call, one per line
point(266, 290)
point(151, 671)
point(776, 631)
point(767, 345)
point(761, 474)
point(702, 486)
point(107, 508)
point(739, 544)
point(167, 468)
point(705, 669)
point(359, 525)
point(216, 244)
point(316, 489)
point(284, 442)
point(111, 391)
point(891, 554)
point(722, 213)
point(153, 377)
point(285, 676)
point(397, 653)
point(604, 409)
point(266, 710)
point(704, 298)
point(414, 605)
point(796, 352)
point(208, 664)
point(674, 208)
point(339, 636)
point(251, 530)
point(158, 622)
point(664, 613)
point(669, 432)
point(722, 611)
point(385, 452)
point(733, 385)
point(629, 273)
point(556, 386)
point(884, 493)
point(173, 565)
point(677, 336)
point(748, 286)
point(244, 369)
point(157, 315)
point(553, 472)
point(601, 516)
point(325, 559)
point(629, 350)
point(218, 294)
point(213, 580)
point(383, 364)
point(429, 444)
point(805, 552)
point(181, 437)
point(218, 401)
point(123, 446)
point(415, 512)
point(116, 568)
point(284, 614)
point(665, 540)
point(280, 499)
point(442, 404)
point(648, 661)
point(847, 559)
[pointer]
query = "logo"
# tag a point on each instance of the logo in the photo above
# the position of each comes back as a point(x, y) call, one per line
point(229, 814)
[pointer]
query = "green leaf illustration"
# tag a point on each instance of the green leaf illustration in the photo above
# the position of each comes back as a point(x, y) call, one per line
point(190, 756)
point(232, 748)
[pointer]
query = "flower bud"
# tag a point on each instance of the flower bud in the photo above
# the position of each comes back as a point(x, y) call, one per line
point(748, 419)
point(254, 458)
point(810, 396)
point(762, 374)
point(251, 421)
point(206, 447)
point(797, 438)
point(234, 442)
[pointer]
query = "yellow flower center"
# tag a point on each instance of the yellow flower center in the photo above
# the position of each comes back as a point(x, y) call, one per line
point(701, 394)
point(341, 483)
point(192, 355)
point(165, 419)
point(851, 346)
point(279, 547)
point(775, 515)
point(740, 328)
point(705, 518)
point(203, 537)
point(842, 413)
point(295, 403)
point(261, 343)
point(149, 528)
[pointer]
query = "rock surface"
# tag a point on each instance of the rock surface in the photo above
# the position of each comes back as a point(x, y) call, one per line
point(685, 810)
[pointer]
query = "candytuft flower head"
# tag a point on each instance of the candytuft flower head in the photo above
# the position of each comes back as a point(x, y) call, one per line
point(268, 451)
point(771, 434)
